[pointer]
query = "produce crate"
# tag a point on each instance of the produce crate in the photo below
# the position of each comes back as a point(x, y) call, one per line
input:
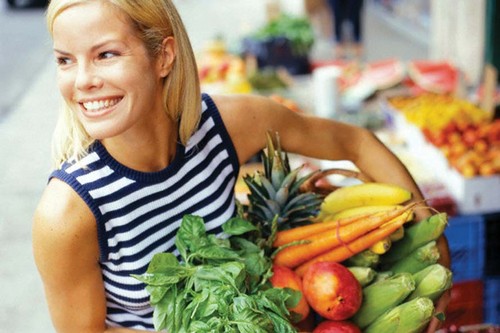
point(492, 264)
point(466, 304)
point(466, 238)
point(476, 195)
point(492, 300)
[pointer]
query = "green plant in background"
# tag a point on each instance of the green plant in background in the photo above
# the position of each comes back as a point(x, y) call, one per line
point(297, 30)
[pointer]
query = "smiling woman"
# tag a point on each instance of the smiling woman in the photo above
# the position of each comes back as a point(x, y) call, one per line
point(138, 147)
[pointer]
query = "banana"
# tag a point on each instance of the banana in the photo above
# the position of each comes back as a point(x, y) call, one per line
point(382, 246)
point(362, 210)
point(364, 194)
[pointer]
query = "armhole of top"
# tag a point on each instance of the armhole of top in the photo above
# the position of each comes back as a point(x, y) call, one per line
point(215, 114)
point(101, 230)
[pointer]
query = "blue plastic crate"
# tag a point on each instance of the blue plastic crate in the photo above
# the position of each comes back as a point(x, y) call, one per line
point(492, 300)
point(466, 238)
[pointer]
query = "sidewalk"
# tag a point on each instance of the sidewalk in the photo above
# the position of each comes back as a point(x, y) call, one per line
point(25, 164)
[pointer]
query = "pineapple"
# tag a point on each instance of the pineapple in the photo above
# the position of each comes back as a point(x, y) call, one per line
point(277, 193)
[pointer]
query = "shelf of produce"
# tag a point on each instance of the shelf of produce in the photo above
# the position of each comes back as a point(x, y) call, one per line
point(473, 195)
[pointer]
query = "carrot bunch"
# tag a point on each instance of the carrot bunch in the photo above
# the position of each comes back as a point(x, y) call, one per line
point(338, 239)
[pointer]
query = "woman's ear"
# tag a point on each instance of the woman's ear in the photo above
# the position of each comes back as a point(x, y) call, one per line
point(167, 56)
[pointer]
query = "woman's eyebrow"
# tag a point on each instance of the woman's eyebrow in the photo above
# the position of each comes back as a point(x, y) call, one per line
point(93, 48)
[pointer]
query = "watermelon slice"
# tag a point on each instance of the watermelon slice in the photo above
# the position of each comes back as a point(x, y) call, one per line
point(434, 76)
point(384, 74)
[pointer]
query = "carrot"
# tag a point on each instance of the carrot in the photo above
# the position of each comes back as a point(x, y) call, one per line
point(294, 255)
point(356, 246)
point(299, 233)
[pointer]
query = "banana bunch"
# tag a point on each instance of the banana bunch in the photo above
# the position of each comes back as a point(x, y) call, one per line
point(366, 198)
point(402, 285)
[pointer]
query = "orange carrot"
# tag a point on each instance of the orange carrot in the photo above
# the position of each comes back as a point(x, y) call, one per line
point(356, 246)
point(295, 255)
point(299, 233)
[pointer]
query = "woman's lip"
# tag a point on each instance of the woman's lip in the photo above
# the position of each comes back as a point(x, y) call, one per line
point(101, 108)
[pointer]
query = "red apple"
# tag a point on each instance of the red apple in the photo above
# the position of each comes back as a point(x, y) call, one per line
point(284, 277)
point(329, 326)
point(332, 290)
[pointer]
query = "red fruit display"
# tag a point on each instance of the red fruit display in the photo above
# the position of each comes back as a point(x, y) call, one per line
point(329, 326)
point(332, 290)
point(284, 277)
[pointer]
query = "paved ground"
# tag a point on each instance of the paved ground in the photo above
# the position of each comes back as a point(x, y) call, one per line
point(24, 165)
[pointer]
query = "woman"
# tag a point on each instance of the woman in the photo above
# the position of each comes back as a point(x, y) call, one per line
point(137, 147)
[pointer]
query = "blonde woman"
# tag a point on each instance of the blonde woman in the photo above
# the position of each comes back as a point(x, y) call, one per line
point(137, 147)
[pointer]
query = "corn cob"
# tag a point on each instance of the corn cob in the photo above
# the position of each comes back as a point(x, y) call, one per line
point(431, 282)
point(365, 258)
point(416, 235)
point(409, 317)
point(382, 275)
point(364, 275)
point(418, 259)
point(382, 296)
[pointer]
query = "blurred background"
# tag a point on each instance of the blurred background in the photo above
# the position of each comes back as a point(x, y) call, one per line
point(395, 32)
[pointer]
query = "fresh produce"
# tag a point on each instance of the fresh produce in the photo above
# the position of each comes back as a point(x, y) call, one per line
point(408, 317)
point(220, 285)
point(416, 235)
point(295, 255)
point(431, 282)
point(361, 210)
point(364, 194)
point(332, 290)
point(284, 277)
point(382, 246)
point(330, 326)
point(342, 253)
point(297, 30)
point(300, 233)
point(435, 76)
point(417, 260)
point(364, 275)
point(365, 258)
point(465, 134)
point(277, 192)
point(382, 296)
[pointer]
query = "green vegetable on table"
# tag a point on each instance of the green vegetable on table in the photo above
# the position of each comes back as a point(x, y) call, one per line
point(219, 286)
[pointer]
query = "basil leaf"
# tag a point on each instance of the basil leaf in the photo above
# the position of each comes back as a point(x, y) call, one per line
point(244, 245)
point(160, 261)
point(215, 252)
point(191, 235)
point(238, 226)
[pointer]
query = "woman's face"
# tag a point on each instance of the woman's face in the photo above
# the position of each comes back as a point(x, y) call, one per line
point(105, 73)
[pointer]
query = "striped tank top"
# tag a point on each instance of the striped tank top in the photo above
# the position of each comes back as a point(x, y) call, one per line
point(138, 213)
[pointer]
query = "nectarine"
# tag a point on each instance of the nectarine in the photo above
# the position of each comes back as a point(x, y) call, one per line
point(284, 277)
point(332, 290)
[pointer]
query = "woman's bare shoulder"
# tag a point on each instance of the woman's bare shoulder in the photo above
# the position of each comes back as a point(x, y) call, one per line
point(62, 218)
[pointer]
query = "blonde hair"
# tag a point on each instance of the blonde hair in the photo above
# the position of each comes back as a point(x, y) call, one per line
point(154, 20)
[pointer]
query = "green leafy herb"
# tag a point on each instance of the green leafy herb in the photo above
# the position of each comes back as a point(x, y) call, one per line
point(221, 284)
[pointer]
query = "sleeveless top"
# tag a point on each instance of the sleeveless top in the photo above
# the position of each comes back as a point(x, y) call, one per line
point(138, 213)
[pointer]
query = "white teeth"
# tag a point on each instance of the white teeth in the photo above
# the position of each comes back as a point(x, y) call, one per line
point(98, 105)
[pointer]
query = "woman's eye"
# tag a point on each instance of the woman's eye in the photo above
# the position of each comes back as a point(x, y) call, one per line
point(107, 55)
point(61, 61)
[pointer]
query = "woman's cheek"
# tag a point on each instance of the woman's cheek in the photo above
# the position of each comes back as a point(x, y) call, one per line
point(65, 83)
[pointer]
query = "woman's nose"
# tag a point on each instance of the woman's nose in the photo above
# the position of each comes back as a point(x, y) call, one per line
point(87, 77)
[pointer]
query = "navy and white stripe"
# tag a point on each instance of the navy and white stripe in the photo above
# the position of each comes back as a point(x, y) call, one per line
point(139, 213)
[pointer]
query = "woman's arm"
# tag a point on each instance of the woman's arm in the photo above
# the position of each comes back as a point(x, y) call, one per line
point(66, 253)
point(248, 118)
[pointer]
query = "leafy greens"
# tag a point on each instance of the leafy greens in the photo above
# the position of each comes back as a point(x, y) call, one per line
point(220, 284)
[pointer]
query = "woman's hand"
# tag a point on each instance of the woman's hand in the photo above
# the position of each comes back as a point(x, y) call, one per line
point(440, 307)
